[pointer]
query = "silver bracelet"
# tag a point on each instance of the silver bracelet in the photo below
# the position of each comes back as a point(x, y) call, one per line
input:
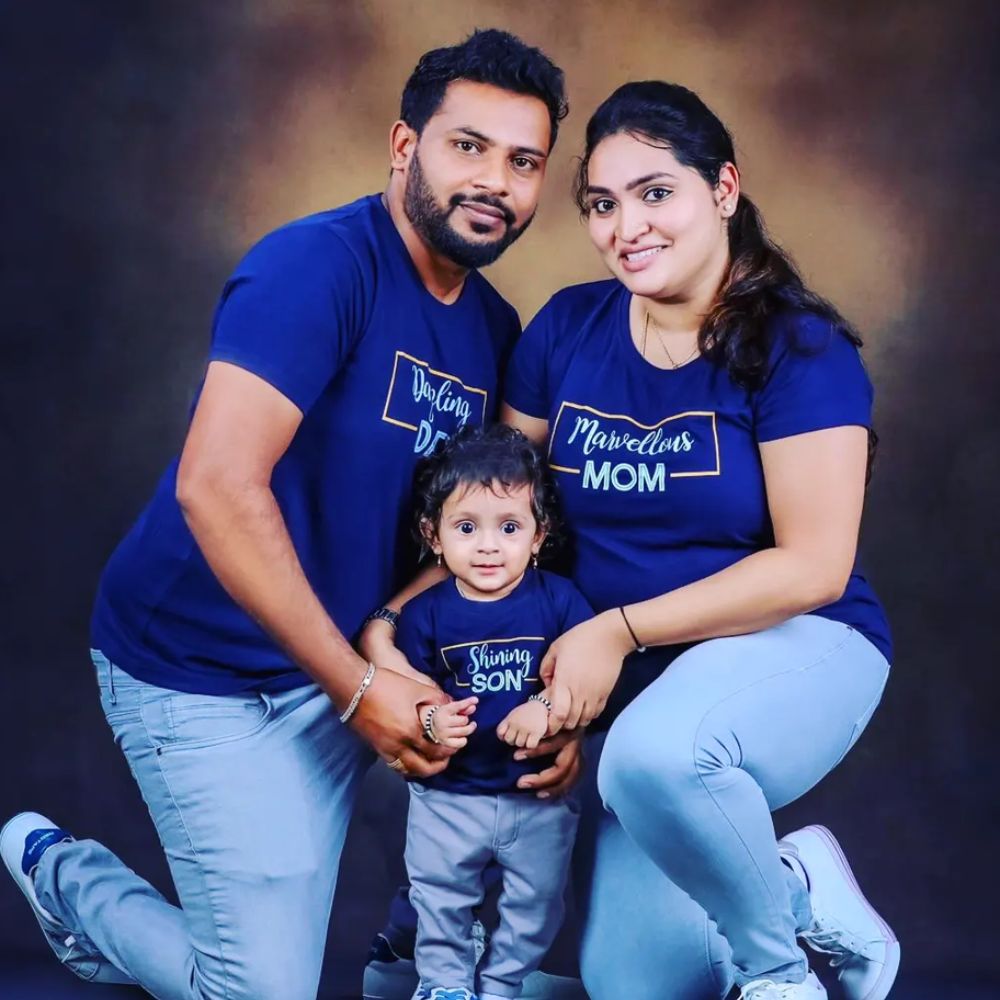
point(356, 700)
point(429, 725)
point(541, 698)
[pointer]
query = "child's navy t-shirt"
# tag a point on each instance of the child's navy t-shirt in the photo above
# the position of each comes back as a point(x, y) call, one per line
point(659, 471)
point(490, 649)
point(331, 311)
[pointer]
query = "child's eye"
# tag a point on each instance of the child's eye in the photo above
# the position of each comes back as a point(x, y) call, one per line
point(465, 527)
point(509, 527)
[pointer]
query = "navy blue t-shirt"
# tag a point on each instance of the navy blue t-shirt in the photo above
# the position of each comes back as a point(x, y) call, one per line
point(490, 649)
point(659, 470)
point(330, 311)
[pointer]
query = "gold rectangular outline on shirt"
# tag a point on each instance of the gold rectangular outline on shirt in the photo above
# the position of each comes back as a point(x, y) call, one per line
point(717, 471)
point(479, 642)
point(433, 371)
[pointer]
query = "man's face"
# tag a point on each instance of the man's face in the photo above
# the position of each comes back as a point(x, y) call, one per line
point(475, 174)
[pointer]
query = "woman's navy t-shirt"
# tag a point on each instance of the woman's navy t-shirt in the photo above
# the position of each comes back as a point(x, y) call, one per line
point(330, 311)
point(659, 470)
point(490, 649)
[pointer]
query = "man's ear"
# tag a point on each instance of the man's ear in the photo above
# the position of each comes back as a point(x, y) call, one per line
point(402, 143)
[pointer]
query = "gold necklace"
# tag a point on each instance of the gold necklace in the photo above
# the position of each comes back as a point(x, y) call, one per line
point(659, 336)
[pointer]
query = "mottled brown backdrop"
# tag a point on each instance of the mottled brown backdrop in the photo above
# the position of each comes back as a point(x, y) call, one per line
point(146, 145)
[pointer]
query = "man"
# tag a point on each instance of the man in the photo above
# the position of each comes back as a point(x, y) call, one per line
point(345, 345)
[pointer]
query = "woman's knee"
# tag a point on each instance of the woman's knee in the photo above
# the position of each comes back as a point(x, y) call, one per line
point(644, 757)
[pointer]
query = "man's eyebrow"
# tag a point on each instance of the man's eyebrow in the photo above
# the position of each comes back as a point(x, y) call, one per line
point(487, 141)
point(632, 185)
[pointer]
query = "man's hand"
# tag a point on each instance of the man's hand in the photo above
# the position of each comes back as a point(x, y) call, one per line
point(388, 717)
point(562, 774)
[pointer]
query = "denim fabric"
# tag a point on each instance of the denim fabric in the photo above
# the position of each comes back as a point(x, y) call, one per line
point(251, 796)
point(452, 840)
point(680, 881)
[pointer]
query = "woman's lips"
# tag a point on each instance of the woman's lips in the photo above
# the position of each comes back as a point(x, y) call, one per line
point(638, 260)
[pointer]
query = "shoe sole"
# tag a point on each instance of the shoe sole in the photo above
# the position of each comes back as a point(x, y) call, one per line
point(891, 967)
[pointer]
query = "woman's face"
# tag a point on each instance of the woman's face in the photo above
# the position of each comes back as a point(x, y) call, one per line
point(659, 226)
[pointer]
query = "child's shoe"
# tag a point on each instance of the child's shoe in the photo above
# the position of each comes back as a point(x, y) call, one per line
point(766, 989)
point(862, 946)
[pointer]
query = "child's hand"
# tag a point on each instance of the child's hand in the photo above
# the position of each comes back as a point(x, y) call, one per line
point(451, 723)
point(525, 725)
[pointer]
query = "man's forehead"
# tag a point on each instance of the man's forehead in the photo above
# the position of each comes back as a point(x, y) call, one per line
point(504, 117)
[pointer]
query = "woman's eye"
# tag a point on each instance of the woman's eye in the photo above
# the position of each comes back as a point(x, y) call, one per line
point(657, 194)
point(509, 527)
point(602, 206)
point(465, 527)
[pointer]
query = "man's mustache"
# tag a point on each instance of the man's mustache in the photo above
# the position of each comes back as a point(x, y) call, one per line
point(482, 199)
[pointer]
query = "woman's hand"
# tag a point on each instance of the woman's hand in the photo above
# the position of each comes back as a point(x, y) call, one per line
point(450, 723)
point(582, 667)
point(525, 725)
point(560, 776)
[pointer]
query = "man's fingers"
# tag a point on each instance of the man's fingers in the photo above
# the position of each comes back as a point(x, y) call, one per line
point(547, 746)
point(547, 667)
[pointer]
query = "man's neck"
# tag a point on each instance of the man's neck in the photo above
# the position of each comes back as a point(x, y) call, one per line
point(443, 278)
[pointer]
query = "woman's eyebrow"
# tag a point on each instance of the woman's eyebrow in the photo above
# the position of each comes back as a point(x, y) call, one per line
point(632, 185)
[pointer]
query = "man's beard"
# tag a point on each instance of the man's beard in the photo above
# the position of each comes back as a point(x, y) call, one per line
point(432, 222)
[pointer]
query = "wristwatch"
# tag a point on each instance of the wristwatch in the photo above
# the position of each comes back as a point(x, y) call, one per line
point(383, 615)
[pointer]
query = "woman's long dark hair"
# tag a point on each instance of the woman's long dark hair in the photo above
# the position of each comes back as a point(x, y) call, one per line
point(762, 280)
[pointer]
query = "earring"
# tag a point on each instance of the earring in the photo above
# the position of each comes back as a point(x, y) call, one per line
point(534, 560)
point(439, 559)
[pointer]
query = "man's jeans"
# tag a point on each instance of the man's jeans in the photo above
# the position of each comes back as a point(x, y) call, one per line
point(251, 796)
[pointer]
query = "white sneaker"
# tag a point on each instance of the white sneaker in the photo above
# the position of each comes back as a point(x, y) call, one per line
point(845, 926)
point(767, 989)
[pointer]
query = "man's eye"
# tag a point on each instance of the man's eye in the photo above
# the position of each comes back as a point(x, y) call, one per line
point(509, 527)
point(524, 163)
point(466, 527)
point(467, 146)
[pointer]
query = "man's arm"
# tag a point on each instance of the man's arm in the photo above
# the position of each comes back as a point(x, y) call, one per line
point(241, 428)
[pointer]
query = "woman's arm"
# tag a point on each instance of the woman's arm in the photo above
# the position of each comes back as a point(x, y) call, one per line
point(815, 491)
point(533, 428)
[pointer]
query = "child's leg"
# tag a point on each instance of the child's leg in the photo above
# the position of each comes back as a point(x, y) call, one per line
point(534, 842)
point(449, 841)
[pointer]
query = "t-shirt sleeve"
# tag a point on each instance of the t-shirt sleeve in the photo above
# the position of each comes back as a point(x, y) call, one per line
point(526, 385)
point(415, 638)
point(293, 311)
point(575, 608)
point(816, 380)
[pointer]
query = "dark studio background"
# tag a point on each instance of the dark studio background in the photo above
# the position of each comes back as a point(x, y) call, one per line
point(145, 146)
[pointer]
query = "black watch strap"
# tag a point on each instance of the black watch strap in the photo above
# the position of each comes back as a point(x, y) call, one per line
point(384, 615)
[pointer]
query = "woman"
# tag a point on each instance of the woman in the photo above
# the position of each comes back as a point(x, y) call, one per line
point(708, 419)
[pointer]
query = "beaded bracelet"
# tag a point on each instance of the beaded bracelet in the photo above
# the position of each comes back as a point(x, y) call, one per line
point(543, 700)
point(356, 700)
point(429, 725)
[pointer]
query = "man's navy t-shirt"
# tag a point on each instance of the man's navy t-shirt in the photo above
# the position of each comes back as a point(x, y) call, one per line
point(490, 649)
point(330, 311)
point(659, 470)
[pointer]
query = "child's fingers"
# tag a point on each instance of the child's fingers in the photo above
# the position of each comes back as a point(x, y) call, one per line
point(464, 730)
point(464, 705)
point(532, 741)
point(455, 742)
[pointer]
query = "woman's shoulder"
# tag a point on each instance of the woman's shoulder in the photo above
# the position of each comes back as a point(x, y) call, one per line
point(577, 301)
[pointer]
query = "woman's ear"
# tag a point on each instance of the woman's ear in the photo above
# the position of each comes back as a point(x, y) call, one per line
point(727, 191)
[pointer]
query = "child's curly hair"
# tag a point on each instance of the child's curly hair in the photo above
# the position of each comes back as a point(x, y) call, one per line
point(483, 456)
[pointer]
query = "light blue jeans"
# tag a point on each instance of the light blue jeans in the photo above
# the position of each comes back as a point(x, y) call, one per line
point(251, 797)
point(679, 879)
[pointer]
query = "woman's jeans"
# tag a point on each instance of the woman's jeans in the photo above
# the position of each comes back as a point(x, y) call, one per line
point(682, 889)
point(251, 796)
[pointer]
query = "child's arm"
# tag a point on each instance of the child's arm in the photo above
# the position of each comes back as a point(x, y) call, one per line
point(449, 724)
point(526, 724)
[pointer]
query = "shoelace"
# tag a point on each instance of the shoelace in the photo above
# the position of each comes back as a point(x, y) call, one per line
point(838, 942)
point(767, 989)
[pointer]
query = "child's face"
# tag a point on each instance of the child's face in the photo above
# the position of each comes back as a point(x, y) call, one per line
point(487, 538)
